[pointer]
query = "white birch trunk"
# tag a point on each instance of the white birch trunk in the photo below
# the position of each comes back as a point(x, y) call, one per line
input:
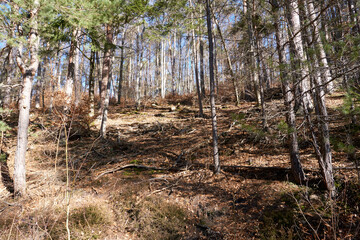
point(304, 82)
point(321, 52)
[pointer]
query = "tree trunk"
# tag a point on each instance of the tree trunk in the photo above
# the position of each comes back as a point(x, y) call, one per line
point(9, 74)
point(304, 82)
point(78, 73)
point(232, 74)
point(172, 49)
point(329, 85)
point(122, 58)
point(105, 83)
point(28, 73)
point(296, 167)
point(212, 91)
point(202, 76)
point(98, 74)
point(72, 68)
point(254, 74)
point(38, 87)
point(195, 64)
point(92, 84)
point(54, 80)
point(43, 82)
point(162, 64)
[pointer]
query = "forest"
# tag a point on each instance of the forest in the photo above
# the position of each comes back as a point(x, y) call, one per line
point(179, 119)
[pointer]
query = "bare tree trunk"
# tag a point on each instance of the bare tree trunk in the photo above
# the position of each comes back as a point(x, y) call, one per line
point(9, 74)
point(304, 82)
point(92, 84)
point(38, 87)
point(195, 63)
point(248, 11)
point(54, 79)
point(320, 48)
point(296, 167)
point(181, 81)
point(172, 49)
point(202, 76)
point(98, 73)
point(212, 91)
point(323, 152)
point(71, 75)
point(232, 74)
point(122, 58)
point(28, 73)
point(158, 69)
point(129, 76)
point(105, 83)
point(44, 82)
point(163, 77)
point(139, 66)
point(77, 79)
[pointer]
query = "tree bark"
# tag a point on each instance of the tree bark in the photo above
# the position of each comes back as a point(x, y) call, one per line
point(38, 86)
point(195, 64)
point(122, 58)
point(105, 83)
point(162, 64)
point(9, 74)
point(212, 91)
point(92, 84)
point(329, 85)
point(78, 73)
point(296, 167)
point(304, 82)
point(232, 74)
point(28, 73)
point(72, 68)
point(202, 75)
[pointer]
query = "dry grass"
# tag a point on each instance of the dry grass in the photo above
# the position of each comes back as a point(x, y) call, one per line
point(241, 203)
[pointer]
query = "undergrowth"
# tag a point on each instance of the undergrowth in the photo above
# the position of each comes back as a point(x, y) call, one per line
point(150, 217)
point(311, 214)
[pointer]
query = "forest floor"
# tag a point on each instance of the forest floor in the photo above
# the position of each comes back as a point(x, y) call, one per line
point(151, 178)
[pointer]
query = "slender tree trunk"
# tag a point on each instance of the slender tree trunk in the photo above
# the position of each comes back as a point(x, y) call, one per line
point(173, 63)
point(92, 84)
point(232, 74)
point(304, 82)
point(212, 91)
point(248, 11)
point(296, 167)
point(72, 68)
point(38, 87)
point(28, 73)
point(44, 82)
point(77, 79)
point(139, 66)
point(130, 76)
point(105, 83)
point(122, 58)
point(182, 82)
point(9, 74)
point(98, 73)
point(163, 78)
point(320, 48)
point(54, 81)
point(195, 64)
point(324, 151)
point(158, 69)
point(202, 75)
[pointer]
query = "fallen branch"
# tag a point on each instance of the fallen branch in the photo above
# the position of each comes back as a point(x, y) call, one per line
point(129, 166)
point(203, 166)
